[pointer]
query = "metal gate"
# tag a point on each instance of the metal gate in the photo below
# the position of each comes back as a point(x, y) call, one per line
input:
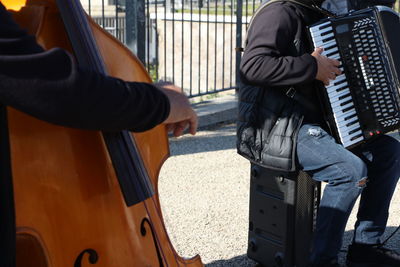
point(188, 42)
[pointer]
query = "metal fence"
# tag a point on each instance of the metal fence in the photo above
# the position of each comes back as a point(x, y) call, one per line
point(188, 42)
point(114, 25)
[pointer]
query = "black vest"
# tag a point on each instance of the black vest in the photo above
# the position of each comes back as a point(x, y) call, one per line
point(269, 120)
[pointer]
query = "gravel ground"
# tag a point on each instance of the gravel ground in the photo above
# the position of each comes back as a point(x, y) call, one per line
point(204, 194)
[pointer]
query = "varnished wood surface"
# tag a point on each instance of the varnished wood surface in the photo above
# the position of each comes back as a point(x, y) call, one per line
point(67, 196)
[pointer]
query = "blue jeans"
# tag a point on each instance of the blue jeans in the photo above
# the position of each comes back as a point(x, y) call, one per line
point(371, 170)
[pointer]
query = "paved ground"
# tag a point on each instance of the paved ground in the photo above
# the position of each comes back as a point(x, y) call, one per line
point(204, 192)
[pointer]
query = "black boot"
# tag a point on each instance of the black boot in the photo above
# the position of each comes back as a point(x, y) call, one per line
point(361, 255)
point(332, 263)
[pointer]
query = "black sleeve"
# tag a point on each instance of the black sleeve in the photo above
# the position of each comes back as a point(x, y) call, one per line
point(265, 61)
point(48, 85)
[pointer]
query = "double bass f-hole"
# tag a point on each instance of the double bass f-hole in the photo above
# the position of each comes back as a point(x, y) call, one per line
point(144, 232)
point(93, 257)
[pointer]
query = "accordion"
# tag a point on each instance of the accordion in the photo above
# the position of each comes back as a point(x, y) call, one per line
point(362, 102)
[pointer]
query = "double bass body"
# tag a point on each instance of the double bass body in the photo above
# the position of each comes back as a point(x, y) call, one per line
point(68, 203)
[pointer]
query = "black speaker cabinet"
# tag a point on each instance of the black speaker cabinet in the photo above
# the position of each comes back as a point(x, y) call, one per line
point(283, 210)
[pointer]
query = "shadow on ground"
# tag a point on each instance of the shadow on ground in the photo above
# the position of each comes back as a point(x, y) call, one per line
point(219, 137)
point(205, 141)
point(244, 261)
point(238, 261)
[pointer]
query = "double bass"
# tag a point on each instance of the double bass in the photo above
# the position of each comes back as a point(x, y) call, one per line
point(85, 198)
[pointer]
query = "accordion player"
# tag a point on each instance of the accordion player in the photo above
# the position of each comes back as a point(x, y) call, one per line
point(362, 102)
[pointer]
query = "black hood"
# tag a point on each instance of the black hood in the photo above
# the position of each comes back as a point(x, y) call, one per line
point(311, 2)
point(360, 4)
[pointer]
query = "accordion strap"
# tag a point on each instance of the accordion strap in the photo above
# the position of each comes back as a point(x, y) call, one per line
point(292, 93)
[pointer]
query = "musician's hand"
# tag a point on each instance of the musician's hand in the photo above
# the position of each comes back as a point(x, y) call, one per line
point(327, 67)
point(181, 115)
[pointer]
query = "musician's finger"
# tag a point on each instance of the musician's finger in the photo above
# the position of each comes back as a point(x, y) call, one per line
point(336, 62)
point(178, 131)
point(337, 71)
point(332, 76)
point(172, 127)
point(193, 123)
point(181, 127)
point(319, 50)
point(169, 127)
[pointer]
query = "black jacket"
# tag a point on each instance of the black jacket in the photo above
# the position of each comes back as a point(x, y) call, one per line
point(277, 56)
point(50, 86)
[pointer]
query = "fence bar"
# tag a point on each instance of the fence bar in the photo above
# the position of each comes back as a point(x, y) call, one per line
point(191, 47)
point(173, 41)
point(165, 38)
point(215, 45)
point(223, 44)
point(183, 46)
point(199, 44)
point(231, 45)
point(103, 17)
point(208, 43)
point(147, 33)
point(238, 36)
point(135, 25)
point(157, 43)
